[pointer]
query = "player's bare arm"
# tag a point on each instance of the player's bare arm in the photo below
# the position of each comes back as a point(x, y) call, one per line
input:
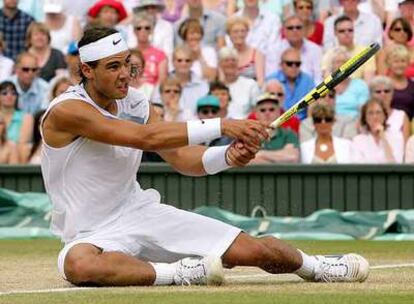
point(188, 160)
point(74, 118)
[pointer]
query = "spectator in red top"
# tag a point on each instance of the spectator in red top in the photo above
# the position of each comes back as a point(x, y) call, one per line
point(156, 62)
point(313, 29)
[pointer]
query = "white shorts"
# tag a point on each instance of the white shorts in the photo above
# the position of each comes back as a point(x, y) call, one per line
point(159, 233)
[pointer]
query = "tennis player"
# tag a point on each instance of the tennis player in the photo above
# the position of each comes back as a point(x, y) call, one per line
point(115, 233)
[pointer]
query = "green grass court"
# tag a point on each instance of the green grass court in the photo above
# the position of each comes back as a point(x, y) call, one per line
point(28, 274)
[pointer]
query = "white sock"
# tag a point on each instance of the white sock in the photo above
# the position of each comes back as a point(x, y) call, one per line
point(164, 273)
point(307, 270)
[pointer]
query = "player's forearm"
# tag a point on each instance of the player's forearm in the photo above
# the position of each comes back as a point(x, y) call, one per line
point(186, 160)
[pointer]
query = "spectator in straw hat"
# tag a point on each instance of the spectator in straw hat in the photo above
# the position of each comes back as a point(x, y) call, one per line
point(283, 146)
point(163, 32)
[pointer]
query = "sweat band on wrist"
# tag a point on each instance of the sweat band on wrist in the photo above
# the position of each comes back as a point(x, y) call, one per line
point(214, 159)
point(201, 131)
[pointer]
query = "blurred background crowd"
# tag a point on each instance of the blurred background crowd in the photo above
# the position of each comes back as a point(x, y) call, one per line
point(226, 58)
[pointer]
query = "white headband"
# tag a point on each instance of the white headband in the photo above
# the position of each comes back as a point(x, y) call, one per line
point(102, 48)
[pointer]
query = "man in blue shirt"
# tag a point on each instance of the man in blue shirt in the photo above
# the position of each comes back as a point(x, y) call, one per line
point(13, 25)
point(31, 88)
point(295, 82)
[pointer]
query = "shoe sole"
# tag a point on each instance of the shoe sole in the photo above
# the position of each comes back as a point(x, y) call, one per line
point(215, 272)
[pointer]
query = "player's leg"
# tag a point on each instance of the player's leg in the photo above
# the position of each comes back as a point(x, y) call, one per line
point(275, 256)
point(85, 264)
point(268, 253)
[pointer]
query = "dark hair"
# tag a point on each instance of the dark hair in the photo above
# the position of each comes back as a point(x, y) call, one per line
point(10, 85)
point(218, 85)
point(92, 34)
point(364, 109)
point(341, 19)
point(405, 25)
point(190, 24)
point(37, 138)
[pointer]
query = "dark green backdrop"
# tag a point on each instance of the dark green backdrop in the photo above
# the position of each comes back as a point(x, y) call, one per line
point(283, 190)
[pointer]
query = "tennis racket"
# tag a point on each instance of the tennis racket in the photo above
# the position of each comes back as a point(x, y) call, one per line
point(329, 83)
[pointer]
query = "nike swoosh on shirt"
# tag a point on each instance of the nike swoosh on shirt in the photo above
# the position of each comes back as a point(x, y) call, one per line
point(116, 42)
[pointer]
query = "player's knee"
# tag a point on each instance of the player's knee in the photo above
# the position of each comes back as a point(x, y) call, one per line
point(80, 270)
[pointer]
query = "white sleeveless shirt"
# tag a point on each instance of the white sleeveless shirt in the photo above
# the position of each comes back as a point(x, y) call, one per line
point(89, 182)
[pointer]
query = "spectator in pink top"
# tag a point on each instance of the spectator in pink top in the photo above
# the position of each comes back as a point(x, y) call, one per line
point(156, 62)
point(378, 144)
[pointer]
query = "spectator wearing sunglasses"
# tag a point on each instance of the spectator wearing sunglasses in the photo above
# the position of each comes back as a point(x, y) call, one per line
point(324, 147)
point(296, 83)
point(163, 31)
point(313, 28)
point(156, 61)
point(344, 126)
point(32, 89)
point(381, 88)
point(170, 93)
point(19, 125)
point(400, 32)
point(283, 146)
point(368, 27)
point(310, 52)
point(209, 107)
point(406, 11)
point(344, 33)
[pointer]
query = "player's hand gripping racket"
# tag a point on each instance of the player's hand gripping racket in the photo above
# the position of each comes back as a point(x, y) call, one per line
point(329, 83)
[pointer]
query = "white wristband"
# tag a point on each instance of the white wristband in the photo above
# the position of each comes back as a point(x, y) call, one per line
point(201, 131)
point(214, 159)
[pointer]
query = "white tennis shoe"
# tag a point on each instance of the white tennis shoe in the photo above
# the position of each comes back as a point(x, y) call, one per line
point(341, 268)
point(199, 271)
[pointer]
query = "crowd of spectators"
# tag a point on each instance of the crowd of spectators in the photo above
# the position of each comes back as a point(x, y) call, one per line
point(226, 58)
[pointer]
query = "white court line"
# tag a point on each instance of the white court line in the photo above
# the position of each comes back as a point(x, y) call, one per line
point(264, 275)
point(232, 277)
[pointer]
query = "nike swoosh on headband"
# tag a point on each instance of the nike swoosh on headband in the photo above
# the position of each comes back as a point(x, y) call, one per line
point(116, 42)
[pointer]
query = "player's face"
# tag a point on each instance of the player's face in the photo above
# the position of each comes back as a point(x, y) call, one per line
point(112, 75)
